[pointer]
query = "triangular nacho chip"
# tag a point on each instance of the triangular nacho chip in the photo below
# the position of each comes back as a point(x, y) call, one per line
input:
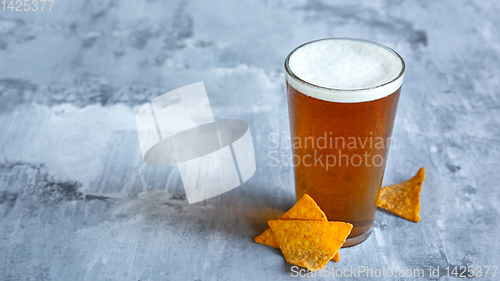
point(310, 244)
point(403, 198)
point(267, 238)
point(336, 258)
point(304, 209)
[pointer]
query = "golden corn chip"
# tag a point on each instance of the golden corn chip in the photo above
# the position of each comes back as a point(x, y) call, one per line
point(304, 209)
point(403, 198)
point(267, 238)
point(336, 258)
point(310, 244)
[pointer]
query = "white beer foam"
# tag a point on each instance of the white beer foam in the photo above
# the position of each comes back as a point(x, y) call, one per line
point(345, 70)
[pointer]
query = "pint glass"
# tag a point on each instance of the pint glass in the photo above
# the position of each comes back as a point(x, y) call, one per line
point(342, 99)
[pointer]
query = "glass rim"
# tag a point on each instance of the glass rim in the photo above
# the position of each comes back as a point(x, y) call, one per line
point(290, 72)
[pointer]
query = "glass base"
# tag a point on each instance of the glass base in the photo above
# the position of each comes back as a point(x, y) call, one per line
point(349, 242)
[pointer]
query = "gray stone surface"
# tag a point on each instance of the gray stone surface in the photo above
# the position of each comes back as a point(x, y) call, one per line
point(78, 203)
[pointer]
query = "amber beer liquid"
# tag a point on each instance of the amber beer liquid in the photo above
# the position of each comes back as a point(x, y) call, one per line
point(342, 100)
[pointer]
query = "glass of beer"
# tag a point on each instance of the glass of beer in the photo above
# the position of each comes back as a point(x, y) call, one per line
point(342, 99)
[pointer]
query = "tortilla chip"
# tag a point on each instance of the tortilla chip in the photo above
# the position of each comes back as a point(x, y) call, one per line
point(336, 258)
point(304, 209)
point(267, 238)
point(310, 244)
point(403, 198)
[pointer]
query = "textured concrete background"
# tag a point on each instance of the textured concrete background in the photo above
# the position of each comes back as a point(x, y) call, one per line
point(78, 203)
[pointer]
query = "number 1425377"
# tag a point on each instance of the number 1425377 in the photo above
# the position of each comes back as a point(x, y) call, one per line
point(27, 5)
